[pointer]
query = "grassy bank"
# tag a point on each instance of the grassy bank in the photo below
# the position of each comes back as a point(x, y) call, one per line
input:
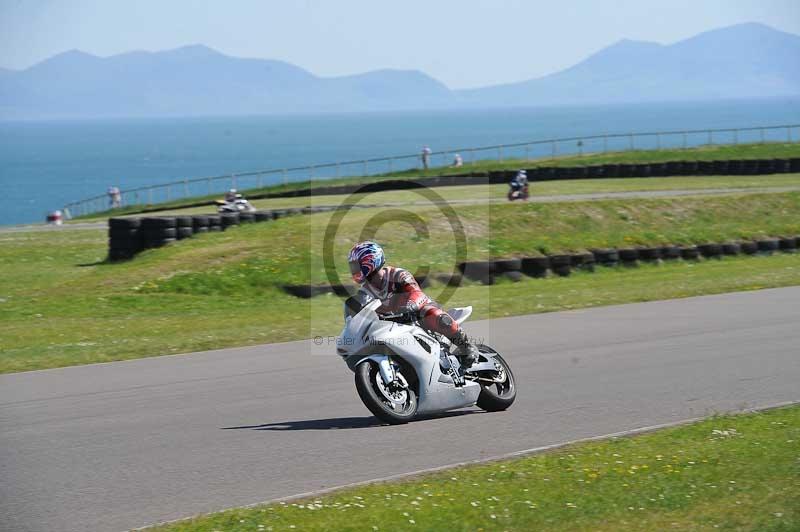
point(725, 473)
point(704, 153)
point(61, 305)
point(493, 231)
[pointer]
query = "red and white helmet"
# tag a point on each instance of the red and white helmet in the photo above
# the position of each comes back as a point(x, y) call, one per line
point(365, 258)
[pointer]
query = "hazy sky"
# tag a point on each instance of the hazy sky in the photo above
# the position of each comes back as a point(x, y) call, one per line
point(463, 43)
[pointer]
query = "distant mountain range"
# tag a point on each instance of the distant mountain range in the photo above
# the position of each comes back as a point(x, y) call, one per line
point(742, 61)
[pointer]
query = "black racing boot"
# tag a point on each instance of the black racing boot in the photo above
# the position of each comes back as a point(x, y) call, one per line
point(467, 353)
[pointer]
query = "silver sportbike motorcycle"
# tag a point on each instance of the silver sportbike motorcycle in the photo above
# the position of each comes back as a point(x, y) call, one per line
point(403, 371)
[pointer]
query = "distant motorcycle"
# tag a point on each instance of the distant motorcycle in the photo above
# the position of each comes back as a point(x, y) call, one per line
point(518, 188)
point(402, 370)
point(237, 204)
point(517, 192)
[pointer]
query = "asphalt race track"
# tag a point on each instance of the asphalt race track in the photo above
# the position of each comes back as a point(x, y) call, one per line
point(121, 445)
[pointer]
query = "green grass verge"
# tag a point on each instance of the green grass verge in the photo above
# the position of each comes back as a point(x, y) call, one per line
point(703, 153)
point(726, 473)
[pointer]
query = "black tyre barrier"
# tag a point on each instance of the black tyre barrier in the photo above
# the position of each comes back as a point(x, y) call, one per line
point(307, 291)
point(214, 228)
point(782, 166)
point(749, 248)
point(124, 223)
point(507, 265)
point(628, 256)
point(794, 164)
point(481, 271)
point(765, 166)
point(787, 244)
point(735, 168)
point(122, 233)
point(641, 170)
point(449, 279)
point(199, 220)
point(710, 250)
point(580, 172)
point(132, 243)
point(561, 265)
point(264, 216)
point(123, 245)
point(606, 257)
point(731, 248)
point(767, 245)
point(115, 255)
point(214, 219)
point(159, 233)
point(533, 173)
point(159, 222)
point(690, 168)
point(535, 266)
point(547, 173)
point(670, 252)
point(672, 168)
point(650, 254)
point(749, 167)
point(184, 221)
point(563, 173)
point(611, 170)
point(185, 232)
point(625, 170)
point(228, 219)
point(247, 217)
point(705, 168)
point(690, 253)
point(719, 168)
point(582, 261)
point(658, 169)
point(201, 229)
point(159, 242)
point(595, 172)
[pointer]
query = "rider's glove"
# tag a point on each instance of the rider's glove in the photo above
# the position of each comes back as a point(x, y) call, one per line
point(410, 308)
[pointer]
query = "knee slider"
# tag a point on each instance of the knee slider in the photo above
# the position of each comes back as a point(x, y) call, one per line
point(445, 321)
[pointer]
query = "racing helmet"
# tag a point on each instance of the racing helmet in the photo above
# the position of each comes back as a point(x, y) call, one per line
point(365, 258)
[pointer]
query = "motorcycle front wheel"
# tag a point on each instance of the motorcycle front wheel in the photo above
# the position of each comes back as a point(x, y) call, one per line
point(394, 406)
point(497, 396)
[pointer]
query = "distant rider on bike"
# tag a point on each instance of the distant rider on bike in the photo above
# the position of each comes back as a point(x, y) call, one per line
point(398, 292)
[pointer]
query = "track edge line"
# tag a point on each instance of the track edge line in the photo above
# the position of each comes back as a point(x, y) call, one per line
point(506, 456)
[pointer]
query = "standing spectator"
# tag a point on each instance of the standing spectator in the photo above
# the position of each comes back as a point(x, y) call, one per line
point(458, 161)
point(114, 197)
point(426, 157)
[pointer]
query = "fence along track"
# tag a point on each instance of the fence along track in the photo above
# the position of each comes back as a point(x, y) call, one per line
point(580, 145)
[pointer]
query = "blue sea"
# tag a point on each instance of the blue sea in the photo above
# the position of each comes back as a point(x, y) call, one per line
point(44, 165)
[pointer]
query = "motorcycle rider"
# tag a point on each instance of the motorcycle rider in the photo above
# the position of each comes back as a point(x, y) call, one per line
point(520, 180)
point(518, 187)
point(398, 291)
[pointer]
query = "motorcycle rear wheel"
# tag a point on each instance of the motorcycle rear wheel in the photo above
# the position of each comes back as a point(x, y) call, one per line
point(498, 396)
point(367, 384)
